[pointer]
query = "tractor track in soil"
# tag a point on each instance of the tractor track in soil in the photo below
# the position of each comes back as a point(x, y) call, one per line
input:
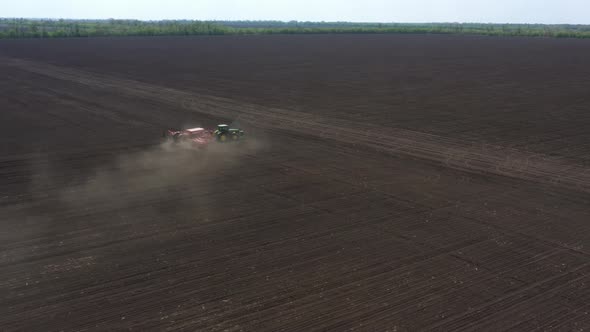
point(474, 157)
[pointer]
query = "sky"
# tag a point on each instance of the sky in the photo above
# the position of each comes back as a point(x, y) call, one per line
point(484, 11)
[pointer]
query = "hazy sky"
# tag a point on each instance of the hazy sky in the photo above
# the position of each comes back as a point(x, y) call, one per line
point(496, 11)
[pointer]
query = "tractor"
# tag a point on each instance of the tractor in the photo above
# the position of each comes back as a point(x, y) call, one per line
point(201, 137)
point(224, 133)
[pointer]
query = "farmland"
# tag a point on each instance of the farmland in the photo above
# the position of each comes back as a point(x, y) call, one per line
point(388, 183)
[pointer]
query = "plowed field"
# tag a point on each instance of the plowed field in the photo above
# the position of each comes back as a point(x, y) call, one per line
point(387, 183)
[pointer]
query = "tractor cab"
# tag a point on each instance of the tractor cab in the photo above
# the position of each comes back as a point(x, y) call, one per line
point(222, 128)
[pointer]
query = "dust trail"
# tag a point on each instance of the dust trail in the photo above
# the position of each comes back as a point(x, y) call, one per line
point(65, 208)
point(165, 171)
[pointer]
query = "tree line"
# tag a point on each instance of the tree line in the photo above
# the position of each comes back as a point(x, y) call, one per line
point(34, 28)
point(46, 28)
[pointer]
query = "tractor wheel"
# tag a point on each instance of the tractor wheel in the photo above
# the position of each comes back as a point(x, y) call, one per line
point(223, 138)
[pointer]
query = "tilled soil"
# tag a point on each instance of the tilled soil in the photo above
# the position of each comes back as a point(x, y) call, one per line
point(388, 183)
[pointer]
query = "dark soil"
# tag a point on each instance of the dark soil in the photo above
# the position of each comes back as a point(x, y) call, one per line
point(388, 183)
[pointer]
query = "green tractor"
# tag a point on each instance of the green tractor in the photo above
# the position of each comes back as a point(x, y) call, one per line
point(224, 133)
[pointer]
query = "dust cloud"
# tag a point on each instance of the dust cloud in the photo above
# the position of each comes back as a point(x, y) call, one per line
point(164, 171)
